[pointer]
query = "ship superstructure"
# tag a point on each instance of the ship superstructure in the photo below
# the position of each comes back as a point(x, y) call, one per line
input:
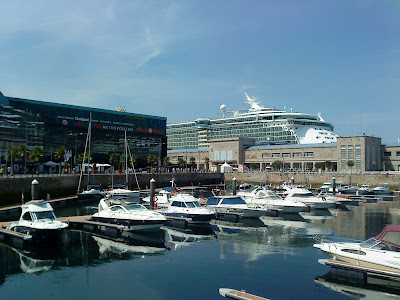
point(262, 124)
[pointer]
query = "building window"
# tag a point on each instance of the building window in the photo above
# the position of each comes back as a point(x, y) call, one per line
point(285, 154)
point(276, 155)
point(297, 154)
point(350, 152)
point(397, 153)
point(387, 153)
point(216, 155)
point(343, 161)
point(358, 157)
point(308, 154)
point(266, 155)
point(230, 154)
point(223, 155)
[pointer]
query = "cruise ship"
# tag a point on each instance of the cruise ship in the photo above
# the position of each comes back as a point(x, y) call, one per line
point(263, 124)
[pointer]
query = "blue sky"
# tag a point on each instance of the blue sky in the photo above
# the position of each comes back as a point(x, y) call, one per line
point(183, 59)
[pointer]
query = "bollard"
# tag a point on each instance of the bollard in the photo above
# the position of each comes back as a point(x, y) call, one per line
point(35, 189)
point(234, 186)
point(334, 185)
point(152, 192)
point(292, 181)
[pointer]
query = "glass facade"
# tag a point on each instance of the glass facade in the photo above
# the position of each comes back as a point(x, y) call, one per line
point(50, 125)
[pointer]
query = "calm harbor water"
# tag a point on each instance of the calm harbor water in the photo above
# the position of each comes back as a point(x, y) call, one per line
point(269, 257)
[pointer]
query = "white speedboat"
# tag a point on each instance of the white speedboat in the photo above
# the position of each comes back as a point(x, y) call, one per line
point(382, 190)
point(378, 252)
point(185, 206)
point(365, 189)
point(38, 220)
point(91, 194)
point(270, 200)
point(328, 187)
point(134, 216)
point(306, 197)
point(163, 198)
point(123, 191)
point(234, 205)
point(349, 189)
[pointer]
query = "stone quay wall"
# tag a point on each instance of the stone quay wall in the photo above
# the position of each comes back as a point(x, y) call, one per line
point(11, 188)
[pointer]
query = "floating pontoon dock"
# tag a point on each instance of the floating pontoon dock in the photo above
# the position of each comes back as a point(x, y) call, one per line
point(366, 271)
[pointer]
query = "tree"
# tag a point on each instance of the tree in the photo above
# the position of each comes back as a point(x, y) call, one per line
point(134, 159)
point(121, 161)
point(278, 164)
point(36, 155)
point(350, 163)
point(166, 161)
point(152, 159)
point(21, 153)
point(319, 165)
point(59, 156)
point(328, 164)
point(11, 156)
point(192, 160)
point(206, 161)
point(181, 162)
point(114, 159)
point(254, 166)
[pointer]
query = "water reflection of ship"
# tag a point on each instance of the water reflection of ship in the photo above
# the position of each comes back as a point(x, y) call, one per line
point(317, 215)
point(257, 240)
point(130, 244)
point(31, 265)
point(182, 237)
point(357, 288)
point(298, 223)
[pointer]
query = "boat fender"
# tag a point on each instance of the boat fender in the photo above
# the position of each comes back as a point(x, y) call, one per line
point(221, 193)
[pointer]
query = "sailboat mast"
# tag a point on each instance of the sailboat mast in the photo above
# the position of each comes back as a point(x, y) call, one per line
point(90, 139)
point(126, 160)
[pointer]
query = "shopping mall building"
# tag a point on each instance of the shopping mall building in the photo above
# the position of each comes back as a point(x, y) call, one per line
point(52, 125)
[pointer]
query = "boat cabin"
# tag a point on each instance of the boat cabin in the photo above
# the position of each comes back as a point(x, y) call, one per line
point(37, 210)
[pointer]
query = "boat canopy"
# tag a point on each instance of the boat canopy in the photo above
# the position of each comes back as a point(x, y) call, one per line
point(390, 235)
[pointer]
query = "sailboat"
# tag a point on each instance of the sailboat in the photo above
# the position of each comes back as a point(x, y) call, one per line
point(122, 190)
point(92, 192)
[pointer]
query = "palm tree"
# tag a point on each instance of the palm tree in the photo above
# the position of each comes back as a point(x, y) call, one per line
point(121, 161)
point(181, 162)
point(21, 153)
point(278, 164)
point(59, 156)
point(206, 162)
point(36, 155)
point(152, 159)
point(166, 161)
point(134, 159)
point(11, 156)
point(114, 159)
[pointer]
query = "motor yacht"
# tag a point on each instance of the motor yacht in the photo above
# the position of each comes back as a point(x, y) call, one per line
point(349, 189)
point(234, 205)
point(306, 197)
point(268, 199)
point(185, 206)
point(38, 220)
point(382, 251)
point(163, 199)
point(123, 191)
point(365, 189)
point(382, 190)
point(91, 194)
point(328, 187)
point(134, 216)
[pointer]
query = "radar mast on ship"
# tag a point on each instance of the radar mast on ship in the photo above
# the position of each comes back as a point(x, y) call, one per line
point(254, 104)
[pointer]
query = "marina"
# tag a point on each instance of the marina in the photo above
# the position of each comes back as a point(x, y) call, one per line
point(249, 254)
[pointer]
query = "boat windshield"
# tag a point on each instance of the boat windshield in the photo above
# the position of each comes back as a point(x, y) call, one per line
point(304, 195)
point(192, 204)
point(135, 207)
point(236, 200)
point(369, 243)
point(44, 215)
